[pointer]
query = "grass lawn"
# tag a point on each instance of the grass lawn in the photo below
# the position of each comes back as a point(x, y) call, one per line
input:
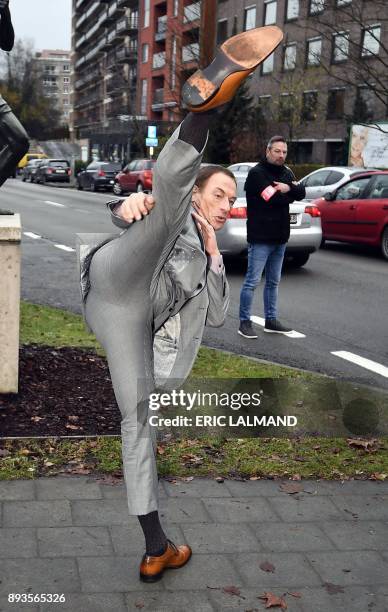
point(314, 457)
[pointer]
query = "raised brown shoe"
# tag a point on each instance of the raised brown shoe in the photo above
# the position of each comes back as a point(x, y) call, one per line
point(235, 60)
point(152, 568)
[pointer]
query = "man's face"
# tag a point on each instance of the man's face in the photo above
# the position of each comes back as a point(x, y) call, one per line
point(277, 153)
point(216, 198)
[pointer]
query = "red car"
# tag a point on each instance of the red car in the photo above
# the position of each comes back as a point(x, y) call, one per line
point(136, 176)
point(357, 211)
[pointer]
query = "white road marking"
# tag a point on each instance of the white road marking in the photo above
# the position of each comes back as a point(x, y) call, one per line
point(31, 235)
point(54, 203)
point(63, 247)
point(373, 366)
point(86, 212)
point(261, 321)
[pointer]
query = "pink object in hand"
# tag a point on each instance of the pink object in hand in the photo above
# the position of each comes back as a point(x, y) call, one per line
point(268, 192)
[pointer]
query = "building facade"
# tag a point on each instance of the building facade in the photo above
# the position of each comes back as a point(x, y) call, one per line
point(53, 66)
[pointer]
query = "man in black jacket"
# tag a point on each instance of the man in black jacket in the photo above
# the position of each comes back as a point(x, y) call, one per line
point(13, 138)
point(270, 188)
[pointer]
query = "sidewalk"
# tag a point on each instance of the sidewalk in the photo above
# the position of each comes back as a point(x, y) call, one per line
point(72, 535)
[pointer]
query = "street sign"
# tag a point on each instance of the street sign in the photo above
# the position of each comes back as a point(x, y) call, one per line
point(151, 131)
point(151, 142)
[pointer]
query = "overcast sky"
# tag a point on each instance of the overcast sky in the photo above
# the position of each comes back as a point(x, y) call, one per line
point(46, 22)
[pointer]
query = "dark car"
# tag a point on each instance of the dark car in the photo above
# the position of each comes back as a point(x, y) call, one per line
point(357, 211)
point(136, 176)
point(98, 175)
point(29, 170)
point(53, 171)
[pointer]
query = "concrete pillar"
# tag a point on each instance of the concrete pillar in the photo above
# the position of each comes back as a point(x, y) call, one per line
point(10, 235)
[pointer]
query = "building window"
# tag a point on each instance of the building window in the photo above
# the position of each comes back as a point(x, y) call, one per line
point(336, 104)
point(65, 90)
point(292, 10)
point(314, 51)
point(270, 12)
point(267, 65)
point(250, 18)
point(316, 6)
point(309, 105)
point(340, 47)
point(146, 22)
point(144, 53)
point(143, 102)
point(265, 104)
point(286, 103)
point(290, 57)
point(371, 41)
point(66, 79)
point(365, 103)
point(222, 31)
point(66, 68)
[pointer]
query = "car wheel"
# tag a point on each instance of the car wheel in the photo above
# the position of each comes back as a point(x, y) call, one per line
point(117, 189)
point(139, 187)
point(323, 244)
point(299, 259)
point(79, 186)
point(384, 243)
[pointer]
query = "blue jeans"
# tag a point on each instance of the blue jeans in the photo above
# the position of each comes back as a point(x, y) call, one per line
point(262, 255)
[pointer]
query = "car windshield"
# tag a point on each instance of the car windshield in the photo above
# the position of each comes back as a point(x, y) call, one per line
point(150, 164)
point(113, 167)
point(58, 163)
point(240, 187)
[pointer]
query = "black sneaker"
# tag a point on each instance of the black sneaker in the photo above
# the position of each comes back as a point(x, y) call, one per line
point(246, 330)
point(274, 326)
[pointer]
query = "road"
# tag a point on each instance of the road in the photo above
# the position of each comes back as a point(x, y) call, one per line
point(337, 302)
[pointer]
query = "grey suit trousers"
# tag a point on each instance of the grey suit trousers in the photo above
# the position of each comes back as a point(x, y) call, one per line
point(120, 309)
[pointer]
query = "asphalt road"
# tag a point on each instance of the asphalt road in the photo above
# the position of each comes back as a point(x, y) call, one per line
point(337, 302)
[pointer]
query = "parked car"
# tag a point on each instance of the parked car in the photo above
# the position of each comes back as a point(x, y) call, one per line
point(242, 167)
point(28, 157)
point(324, 180)
point(52, 170)
point(98, 175)
point(305, 221)
point(29, 170)
point(357, 211)
point(136, 176)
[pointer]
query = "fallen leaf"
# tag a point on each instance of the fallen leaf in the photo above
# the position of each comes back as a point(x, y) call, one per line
point(48, 463)
point(378, 476)
point(291, 487)
point(160, 450)
point(73, 427)
point(357, 443)
point(273, 601)
point(332, 589)
point(219, 479)
point(24, 451)
point(73, 418)
point(36, 419)
point(231, 590)
point(295, 594)
point(296, 477)
point(266, 566)
point(187, 478)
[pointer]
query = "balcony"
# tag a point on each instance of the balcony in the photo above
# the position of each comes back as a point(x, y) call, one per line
point(192, 12)
point(114, 8)
point(107, 41)
point(126, 25)
point(115, 85)
point(159, 60)
point(161, 31)
point(190, 53)
point(126, 54)
point(158, 99)
point(127, 3)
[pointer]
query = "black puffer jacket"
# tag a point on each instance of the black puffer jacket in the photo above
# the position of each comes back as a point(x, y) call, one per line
point(7, 35)
point(269, 221)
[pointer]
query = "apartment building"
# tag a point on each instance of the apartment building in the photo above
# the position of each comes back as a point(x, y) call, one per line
point(328, 71)
point(104, 62)
point(53, 66)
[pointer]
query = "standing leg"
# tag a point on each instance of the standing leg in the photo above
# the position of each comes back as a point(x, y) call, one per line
point(273, 273)
point(257, 257)
point(13, 141)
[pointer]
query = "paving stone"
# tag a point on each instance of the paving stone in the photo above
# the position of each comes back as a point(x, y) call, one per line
point(6, 606)
point(291, 569)
point(72, 487)
point(201, 572)
point(305, 508)
point(128, 540)
point(357, 535)
point(36, 513)
point(354, 599)
point(366, 567)
point(249, 600)
point(40, 576)
point(74, 542)
point(173, 601)
point(351, 487)
point(197, 488)
point(183, 510)
point(291, 537)
point(373, 507)
point(249, 509)
point(100, 512)
point(17, 489)
point(113, 575)
point(220, 537)
point(85, 602)
point(253, 488)
point(20, 542)
point(119, 490)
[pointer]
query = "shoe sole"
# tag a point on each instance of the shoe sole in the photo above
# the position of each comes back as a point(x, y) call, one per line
point(156, 577)
point(273, 331)
point(245, 336)
point(235, 60)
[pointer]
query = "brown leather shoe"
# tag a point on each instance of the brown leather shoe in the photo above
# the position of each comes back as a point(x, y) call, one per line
point(236, 59)
point(152, 568)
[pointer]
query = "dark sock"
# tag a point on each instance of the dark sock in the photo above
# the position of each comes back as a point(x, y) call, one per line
point(194, 129)
point(155, 538)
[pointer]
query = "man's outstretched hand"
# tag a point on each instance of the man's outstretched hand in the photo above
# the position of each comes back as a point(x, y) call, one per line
point(135, 207)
